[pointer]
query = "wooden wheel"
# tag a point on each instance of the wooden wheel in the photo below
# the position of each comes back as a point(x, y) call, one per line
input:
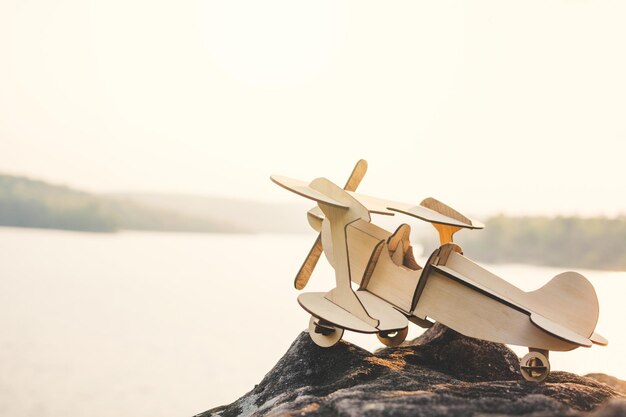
point(323, 333)
point(393, 339)
point(535, 366)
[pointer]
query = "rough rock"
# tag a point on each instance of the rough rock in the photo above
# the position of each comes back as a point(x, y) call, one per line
point(464, 358)
point(441, 373)
point(615, 383)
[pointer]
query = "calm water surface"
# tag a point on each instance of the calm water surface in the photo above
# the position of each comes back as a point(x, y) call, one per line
point(157, 324)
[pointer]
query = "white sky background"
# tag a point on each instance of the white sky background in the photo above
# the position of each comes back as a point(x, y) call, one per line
point(489, 106)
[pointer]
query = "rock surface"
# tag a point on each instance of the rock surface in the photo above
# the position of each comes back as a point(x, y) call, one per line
point(615, 383)
point(441, 373)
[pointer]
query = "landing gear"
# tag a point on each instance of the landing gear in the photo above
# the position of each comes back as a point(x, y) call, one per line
point(323, 333)
point(535, 366)
point(394, 338)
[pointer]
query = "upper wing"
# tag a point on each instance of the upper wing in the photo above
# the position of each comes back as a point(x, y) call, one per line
point(375, 204)
point(303, 189)
point(381, 206)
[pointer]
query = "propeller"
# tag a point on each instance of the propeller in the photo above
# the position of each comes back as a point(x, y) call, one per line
point(302, 278)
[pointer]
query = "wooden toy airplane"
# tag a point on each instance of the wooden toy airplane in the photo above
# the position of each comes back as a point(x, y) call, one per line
point(452, 289)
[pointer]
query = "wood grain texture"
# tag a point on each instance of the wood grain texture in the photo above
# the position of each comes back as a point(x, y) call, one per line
point(363, 239)
point(398, 243)
point(598, 339)
point(356, 176)
point(303, 189)
point(389, 318)
point(389, 207)
point(409, 260)
point(404, 256)
point(535, 366)
point(432, 216)
point(558, 330)
point(475, 314)
point(316, 304)
point(568, 299)
point(334, 238)
point(444, 252)
point(451, 288)
point(315, 216)
point(398, 255)
point(444, 209)
point(394, 284)
point(564, 310)
point(371, 264)
point(393, 340)
point(324, 339)
point(319, 306)
point(303, 275)
point(445, 231)
point(517, 303)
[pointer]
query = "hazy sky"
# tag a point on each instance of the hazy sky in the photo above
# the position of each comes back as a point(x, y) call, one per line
point(488, 105)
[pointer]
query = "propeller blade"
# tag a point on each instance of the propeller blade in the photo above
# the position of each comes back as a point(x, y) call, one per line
point(356, 176)
point(304, 274)
point(309, 264)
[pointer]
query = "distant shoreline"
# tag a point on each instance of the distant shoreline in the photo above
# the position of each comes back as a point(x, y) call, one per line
point(590, 242)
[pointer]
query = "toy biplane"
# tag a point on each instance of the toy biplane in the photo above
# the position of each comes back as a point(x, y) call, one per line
point(394, 289)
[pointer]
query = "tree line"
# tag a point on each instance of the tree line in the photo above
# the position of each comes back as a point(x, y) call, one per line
point(593, 243)
point(30, 203)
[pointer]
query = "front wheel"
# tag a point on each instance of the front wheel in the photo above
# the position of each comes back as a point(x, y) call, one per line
point(323, 333)
point(393, 339)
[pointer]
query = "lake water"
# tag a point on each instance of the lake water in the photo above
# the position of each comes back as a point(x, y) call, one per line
point(161, 324)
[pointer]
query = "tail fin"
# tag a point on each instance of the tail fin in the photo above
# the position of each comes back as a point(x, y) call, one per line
point(570, 300)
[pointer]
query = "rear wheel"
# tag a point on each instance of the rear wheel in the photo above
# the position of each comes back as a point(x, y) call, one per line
point(323, 333)
point(535, 366)
point(394, 338)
